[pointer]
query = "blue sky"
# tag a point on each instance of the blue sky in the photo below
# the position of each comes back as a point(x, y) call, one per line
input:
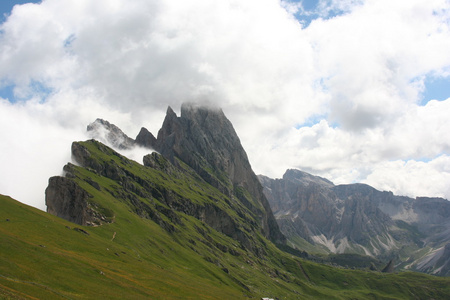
point(323, 86)
point(7, 5)
point(436, 89)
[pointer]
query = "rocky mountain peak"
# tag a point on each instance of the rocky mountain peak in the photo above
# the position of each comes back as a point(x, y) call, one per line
point(203, 138)
point(145, 138)
point(306, 178)
point(109, 134)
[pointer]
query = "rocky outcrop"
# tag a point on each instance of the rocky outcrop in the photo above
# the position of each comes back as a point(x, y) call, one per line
point(109, 134)
point(66, 199)
point(389, 267)
point(361, 219)
point(305, 201)
point(145, 139)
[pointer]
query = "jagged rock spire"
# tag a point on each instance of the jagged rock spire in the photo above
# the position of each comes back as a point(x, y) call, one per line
point(205, 139)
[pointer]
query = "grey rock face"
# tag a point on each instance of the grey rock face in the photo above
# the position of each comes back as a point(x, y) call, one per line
point(361, 219)
point(205, 139)
point(65, 199)
point(357, 218)
point(389, 267)
point(109, 134)
point(301, 195)
point(145, 139)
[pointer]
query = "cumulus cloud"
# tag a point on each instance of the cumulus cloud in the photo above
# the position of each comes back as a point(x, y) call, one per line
point(409, 157)
point(374, 60)
point(412, 178)
point(339, 97)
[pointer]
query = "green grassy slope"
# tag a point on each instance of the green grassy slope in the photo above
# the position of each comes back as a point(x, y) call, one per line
point(175, 257)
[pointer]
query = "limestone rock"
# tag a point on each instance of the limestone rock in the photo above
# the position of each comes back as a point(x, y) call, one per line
point(109, 134)
point(145, 139)
point(316, 210)
point(389, 267)
point(203, 138)
point(66, 199)
point(356, 218)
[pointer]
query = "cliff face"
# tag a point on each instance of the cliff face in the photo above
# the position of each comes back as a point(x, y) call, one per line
point(65, 199)
point(357, 218)
point(205, 139)
point(145, 139)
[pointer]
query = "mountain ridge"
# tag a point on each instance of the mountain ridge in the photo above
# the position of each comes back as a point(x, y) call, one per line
point(356, 218)
point(204, 139)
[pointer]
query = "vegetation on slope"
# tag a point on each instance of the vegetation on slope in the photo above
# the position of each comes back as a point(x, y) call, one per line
point(152, 244)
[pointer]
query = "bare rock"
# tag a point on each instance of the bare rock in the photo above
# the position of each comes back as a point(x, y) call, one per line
point(109, 134)
point(203, 138)
point(66, 199)
point(145, 139)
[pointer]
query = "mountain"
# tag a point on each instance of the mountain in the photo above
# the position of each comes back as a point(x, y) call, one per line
point(356, 218)
point(205, 140)
point(109, 133)
point(170, 228)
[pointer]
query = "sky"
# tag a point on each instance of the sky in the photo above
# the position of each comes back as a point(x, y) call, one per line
point(350, 90)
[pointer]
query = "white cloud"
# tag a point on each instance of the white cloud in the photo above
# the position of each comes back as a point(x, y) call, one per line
point(413, 178)
point(33, 149)
point(409, 157)
point(362, 71)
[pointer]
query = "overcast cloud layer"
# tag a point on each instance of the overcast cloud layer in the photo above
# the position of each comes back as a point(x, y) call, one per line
point(340, 97)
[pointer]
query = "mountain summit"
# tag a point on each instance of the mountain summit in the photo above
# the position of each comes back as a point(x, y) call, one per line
point(108, 133)
point(204, 139)
point(201, 138)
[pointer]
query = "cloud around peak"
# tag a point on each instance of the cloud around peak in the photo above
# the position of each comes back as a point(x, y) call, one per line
point(358, 72)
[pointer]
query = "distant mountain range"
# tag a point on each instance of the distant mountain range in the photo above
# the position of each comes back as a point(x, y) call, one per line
point(193, 222)
point(317, 215)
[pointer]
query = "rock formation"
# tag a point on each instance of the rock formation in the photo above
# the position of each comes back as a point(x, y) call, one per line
point(145, 139)
point(66, 199)
point(109, 134)
point(204, 139)
point(389, 267)
point(357, 218)
point(201, 143)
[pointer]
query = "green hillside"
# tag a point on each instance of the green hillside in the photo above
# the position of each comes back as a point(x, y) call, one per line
point(152, 244)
